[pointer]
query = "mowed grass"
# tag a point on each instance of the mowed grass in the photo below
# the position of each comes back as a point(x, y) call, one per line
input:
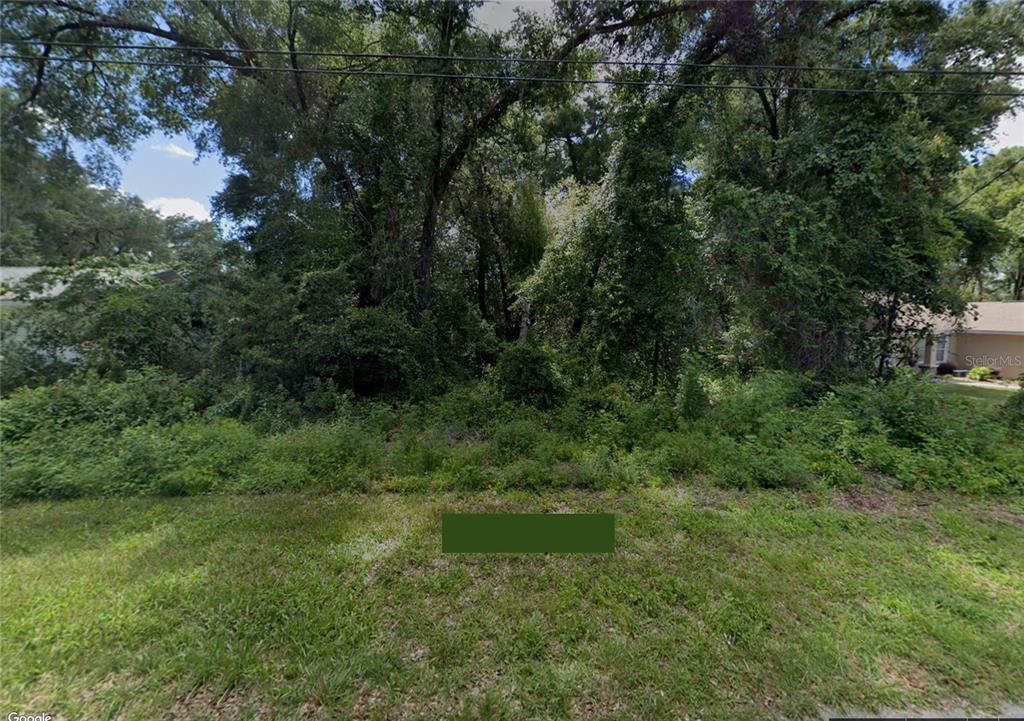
point(984, 397)
point(717, 604)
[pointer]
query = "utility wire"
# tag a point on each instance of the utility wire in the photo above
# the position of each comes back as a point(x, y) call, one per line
point(991, 180)
point(507, 78)
point(517, 60)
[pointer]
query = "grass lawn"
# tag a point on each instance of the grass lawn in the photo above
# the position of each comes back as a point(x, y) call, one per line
point(716, 604)
point(985, 397)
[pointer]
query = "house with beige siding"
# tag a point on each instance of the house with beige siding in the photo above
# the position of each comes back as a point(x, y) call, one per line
point(990, 334)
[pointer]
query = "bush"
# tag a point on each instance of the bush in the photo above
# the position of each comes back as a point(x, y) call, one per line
point(681, 455)
point(516, 439)
point(744, 464)
point(980, 373)
point(1012, 411)
point(141, 435)
point(147, 396)
point(526, 373)
point(739, 407)
point(691, 400)
point(328, 455)
point(908, 407)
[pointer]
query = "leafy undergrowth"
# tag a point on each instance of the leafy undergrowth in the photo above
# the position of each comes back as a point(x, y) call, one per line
point(716, 604)
point(150, 435)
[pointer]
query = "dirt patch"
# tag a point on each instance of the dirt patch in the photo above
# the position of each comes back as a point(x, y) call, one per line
point(1005, 514)
point(234, 704)
point(868, 500)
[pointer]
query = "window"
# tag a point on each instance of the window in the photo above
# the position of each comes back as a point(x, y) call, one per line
point(941, 348)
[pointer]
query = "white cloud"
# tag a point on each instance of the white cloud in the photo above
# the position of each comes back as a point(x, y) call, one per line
point(174, 149)
point(179, 206)
point(1009, 132)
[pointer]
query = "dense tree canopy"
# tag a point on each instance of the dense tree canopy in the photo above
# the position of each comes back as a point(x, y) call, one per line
point(406, 193)
point(989, 211)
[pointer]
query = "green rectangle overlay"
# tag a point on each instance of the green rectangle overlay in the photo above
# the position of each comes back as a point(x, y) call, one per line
point(528, 532)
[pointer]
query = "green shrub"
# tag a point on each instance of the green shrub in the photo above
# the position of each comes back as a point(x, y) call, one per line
point(1012, 411)
point(691, 400)
point(834, 470)
point(526, 373)
point(739, 407)
point(146, 396)
point(417, 453)
point(910, 408)
point(141, 435)
point(527, 474)
point(332, 455)
point(469, 409)
point(681, 454)
point(594, 467)
point(516, 439)
point(980, 373)
point(743, 464)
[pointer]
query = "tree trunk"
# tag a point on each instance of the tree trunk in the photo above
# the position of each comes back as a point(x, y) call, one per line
point(437, 183)
point(481, 278)
point(524, 322)
point(656, 363)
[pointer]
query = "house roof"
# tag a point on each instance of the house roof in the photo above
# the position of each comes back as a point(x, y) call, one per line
point(1003, 318)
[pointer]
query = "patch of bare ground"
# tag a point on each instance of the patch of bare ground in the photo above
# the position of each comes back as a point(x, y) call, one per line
point(234, 704)
point(603, 703)
point(868, 499)
point(1006, 514)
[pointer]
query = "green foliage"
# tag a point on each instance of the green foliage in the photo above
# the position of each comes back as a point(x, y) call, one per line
point(143, 396)
point(744, 464)
point(979, 373)
point(692, 400)
point(526, 373)
point(744, 407)
point(336, 455)
point(1013, 410)
point(704, 263)
point(52, 211)
point(992, 254)
point(154, 434)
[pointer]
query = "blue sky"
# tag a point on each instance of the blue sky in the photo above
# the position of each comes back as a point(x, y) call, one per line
point(164, 171)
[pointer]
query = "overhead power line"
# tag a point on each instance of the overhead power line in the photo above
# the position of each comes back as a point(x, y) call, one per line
point(506, 78)
point(991, 180)
point(519, 60)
